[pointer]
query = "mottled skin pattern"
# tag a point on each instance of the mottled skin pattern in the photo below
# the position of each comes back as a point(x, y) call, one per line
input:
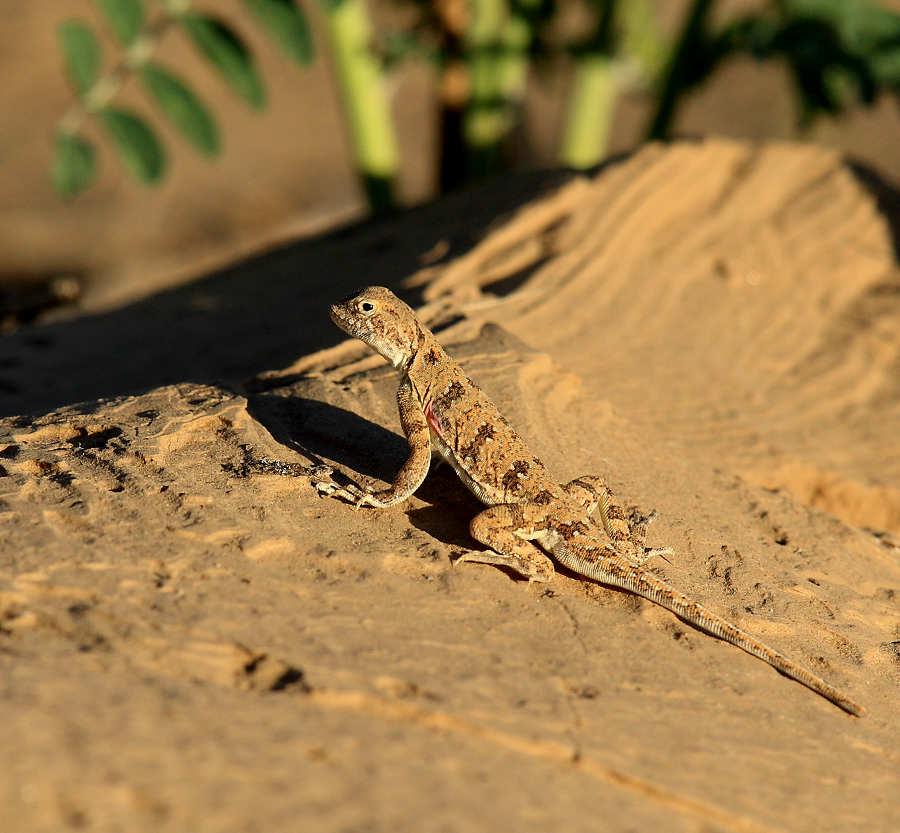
point(529, 515)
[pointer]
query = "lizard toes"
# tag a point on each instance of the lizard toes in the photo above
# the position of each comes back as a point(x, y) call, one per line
point(656, 552)
point(460, 559)
point(328, 489)
point(365, 499)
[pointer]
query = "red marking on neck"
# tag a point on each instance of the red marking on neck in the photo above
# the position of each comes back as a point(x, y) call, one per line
point(433, 420)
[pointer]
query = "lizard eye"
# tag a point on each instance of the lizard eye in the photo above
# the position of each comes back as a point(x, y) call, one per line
point(365, 306)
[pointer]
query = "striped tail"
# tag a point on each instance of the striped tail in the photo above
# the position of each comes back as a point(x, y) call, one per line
point(619, 572)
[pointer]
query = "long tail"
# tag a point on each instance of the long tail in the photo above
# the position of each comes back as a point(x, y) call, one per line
point(619, 572)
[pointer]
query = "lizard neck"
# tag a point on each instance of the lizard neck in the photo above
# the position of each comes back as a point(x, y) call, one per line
point(425, 346)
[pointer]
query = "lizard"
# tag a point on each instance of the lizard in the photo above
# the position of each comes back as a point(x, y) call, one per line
point(529, 517)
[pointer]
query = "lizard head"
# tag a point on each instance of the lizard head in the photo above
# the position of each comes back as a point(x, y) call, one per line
point(380, 319)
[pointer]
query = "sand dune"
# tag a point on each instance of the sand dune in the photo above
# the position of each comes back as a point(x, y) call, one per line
point(191, 638)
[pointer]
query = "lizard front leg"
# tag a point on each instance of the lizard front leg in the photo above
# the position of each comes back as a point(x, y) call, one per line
point(506, 529)
point(413, 471)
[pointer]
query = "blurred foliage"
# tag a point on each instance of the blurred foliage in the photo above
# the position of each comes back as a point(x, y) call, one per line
point(125, 18)
point(179, 103)
point(139, 149)
point(133, 138)
point(82, 54)
point(225, 50)
point(287, 25)
point(839, 53)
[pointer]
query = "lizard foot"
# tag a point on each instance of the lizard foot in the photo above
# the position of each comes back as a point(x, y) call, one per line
point(637, 518)
point(638, 523)
point(320, 478)
point(355, 495)
point(532, 570)
point(367, 499)
point(655, 552)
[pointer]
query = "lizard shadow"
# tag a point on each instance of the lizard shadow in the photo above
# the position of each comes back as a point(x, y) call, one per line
point(325, 433)
point(450, 510)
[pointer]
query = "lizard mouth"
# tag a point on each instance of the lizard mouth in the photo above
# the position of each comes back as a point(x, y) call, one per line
point(339, 316)
point(345, 319)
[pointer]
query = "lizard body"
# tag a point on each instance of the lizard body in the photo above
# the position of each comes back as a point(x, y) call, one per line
point(528, 515)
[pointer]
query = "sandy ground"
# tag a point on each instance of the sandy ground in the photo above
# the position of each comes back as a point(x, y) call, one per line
point(190, 638)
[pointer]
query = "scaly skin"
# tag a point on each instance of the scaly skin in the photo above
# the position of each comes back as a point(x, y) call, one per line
point(529, 515)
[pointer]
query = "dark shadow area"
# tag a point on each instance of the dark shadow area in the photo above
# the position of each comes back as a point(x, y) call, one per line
point(25, 296)
point(451, 509)
point(323, 432)
point(259, 314)
point(887, 197)
point(509, 284)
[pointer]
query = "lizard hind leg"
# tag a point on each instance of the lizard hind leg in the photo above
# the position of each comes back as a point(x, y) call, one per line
point(504, 529)
point(625, 528)
point(591, 491)
point(638, 522)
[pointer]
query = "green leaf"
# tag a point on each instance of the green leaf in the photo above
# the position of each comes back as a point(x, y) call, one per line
point(81, 52)
point(182, 107)
point(228, 53)
point(135, 142)
point(868, 31)
point(125, 18)
point(287, 24)
point(74, 164)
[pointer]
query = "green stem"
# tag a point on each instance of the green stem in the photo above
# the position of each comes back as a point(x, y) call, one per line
point(365, 102)
point(496, 44)
point(590, 110)
point(593, 98)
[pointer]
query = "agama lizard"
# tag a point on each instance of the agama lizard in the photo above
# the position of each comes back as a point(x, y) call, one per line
point(528, 514)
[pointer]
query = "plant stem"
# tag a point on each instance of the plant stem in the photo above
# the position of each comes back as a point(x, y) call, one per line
point(496, 43)
point(591, 106)
point(365, 102)
point(592, 100)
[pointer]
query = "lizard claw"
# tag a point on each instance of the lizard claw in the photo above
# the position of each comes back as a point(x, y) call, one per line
point(325, 489)
point(328, 488)
point(320, 479)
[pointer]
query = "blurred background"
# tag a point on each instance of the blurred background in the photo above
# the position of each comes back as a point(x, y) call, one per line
point(429, 96)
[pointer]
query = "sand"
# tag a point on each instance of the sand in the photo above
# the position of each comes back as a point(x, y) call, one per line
point(191, 638)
